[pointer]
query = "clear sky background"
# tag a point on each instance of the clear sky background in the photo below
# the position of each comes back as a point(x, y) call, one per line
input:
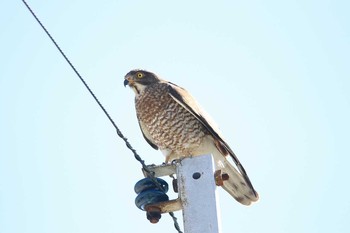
point(273, 74)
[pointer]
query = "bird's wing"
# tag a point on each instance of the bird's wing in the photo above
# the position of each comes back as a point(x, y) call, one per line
point(147, 135)
point(182, 97)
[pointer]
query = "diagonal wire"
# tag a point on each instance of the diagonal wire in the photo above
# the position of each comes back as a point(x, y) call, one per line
point(119, 133)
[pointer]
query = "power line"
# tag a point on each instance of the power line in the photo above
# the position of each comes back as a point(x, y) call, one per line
point(119, 133)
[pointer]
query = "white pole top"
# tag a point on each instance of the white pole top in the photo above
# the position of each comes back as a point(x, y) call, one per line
point(198, 194)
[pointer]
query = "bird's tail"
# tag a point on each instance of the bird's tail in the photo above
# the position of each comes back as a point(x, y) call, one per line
point(234, 183)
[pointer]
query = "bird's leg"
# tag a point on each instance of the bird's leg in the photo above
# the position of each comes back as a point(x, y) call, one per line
point(170, 157)
point(167, 154)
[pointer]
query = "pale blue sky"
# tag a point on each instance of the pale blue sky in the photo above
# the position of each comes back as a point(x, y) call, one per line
point(273, 74)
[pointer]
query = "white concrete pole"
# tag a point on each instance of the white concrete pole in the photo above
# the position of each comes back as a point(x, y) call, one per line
point(198, 194)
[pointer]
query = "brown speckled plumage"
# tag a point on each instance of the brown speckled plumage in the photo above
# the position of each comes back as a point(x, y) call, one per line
point(171, 126)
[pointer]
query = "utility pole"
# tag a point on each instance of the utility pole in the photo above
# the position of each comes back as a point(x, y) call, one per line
point(198, 196)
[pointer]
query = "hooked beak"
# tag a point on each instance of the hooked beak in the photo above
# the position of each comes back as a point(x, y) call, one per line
point(126, 82)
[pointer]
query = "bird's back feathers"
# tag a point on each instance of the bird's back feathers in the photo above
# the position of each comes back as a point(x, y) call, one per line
point(237, 179)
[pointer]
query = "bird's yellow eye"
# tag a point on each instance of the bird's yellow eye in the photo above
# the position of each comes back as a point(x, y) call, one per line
point(139, 75)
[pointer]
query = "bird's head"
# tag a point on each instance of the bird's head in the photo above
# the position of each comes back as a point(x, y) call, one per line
point(138, 80)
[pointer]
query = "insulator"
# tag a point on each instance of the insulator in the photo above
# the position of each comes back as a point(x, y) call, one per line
point(147, 183)
point(149, 193)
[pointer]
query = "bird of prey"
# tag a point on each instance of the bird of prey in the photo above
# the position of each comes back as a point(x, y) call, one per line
point(171, 120)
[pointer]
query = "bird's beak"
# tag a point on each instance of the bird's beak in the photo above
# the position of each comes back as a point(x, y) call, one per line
point(128, 81)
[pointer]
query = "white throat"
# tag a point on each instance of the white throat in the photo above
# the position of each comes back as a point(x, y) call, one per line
point(138, 88)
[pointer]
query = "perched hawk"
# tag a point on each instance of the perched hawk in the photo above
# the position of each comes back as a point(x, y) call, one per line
point(171, 120)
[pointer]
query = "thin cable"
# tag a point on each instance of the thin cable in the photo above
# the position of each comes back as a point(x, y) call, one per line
point(120, 134)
